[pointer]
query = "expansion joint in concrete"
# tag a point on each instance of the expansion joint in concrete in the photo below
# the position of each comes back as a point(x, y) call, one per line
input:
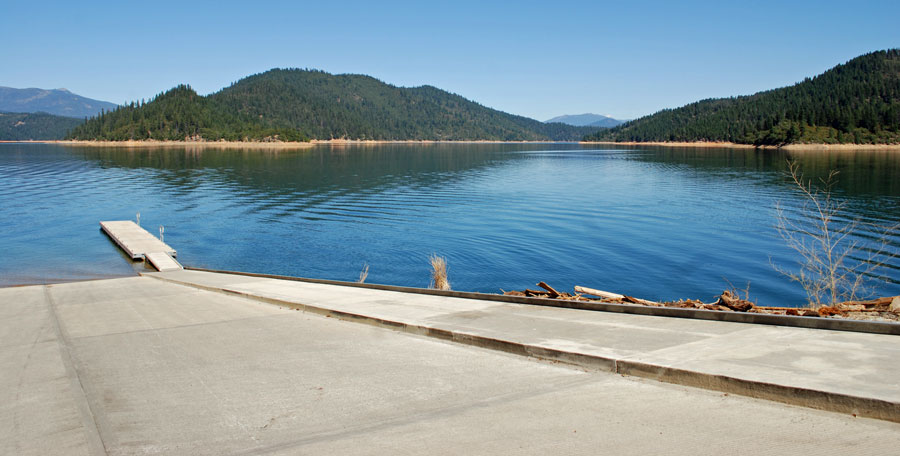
point(89, 423)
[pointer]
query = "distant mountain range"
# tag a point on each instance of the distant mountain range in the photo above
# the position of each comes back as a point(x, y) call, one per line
point(295, 104)
point(59, 102)
point(856, 102)
point(587, 120)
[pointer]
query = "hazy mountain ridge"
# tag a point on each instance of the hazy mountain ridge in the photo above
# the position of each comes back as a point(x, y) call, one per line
point(855, 102)
point(58, 102)
point(587, 120)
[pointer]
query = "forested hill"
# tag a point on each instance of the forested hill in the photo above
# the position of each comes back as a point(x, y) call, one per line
point(21, 126)
point(361, 107)
point(176, 115)
point(293, 104)
point(856, 102)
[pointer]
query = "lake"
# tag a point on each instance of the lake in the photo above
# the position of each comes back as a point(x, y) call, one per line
point(656, 223)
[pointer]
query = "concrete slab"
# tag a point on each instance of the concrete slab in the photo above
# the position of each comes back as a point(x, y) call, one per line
point(238, 385)
point(39, 411)
point(617, 416)
point(134, 304)
point(863, 364)
point(96, 291)
point(230, 375)
point(25, 317)
point(38, 415)
point(833, 370)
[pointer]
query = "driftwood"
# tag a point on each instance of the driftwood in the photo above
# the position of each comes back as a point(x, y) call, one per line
point(593, 292)
point(882, 309)
point(729, 300)
point(613, 296)
point(536, 293)
point(553, 293)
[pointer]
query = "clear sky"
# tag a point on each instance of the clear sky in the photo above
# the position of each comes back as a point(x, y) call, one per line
point(538, 59)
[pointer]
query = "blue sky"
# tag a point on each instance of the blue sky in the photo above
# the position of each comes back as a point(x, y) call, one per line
point(538, 59)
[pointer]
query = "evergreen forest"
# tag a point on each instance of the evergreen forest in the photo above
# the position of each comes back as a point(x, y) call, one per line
point(177, 115)
point(857, 102)
point(297, 105)
point(17, 126)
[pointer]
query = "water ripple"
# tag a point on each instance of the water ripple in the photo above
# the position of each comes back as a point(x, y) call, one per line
point(660, 224)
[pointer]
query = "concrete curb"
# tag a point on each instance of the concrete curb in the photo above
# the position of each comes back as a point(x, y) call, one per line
point(816, 399)
point(833, 324)
point(804, 397)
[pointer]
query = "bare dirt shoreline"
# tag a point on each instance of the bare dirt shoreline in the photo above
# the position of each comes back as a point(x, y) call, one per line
point(342, 142)
point(261, 144)
point(729, 145)
point(187, 144)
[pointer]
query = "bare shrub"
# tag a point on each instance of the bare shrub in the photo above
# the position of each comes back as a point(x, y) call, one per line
point(834, 266)
point(740, 293)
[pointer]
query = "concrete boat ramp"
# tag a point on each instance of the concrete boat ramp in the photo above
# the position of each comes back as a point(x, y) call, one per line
point(193, 362)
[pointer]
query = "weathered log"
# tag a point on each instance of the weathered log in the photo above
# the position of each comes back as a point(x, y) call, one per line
point(514, 293)
point(732, 302)
point(883, 303)
point(553, 293)
point(828, 311)
point(608, 295)
point(537, 293)
point(593, 292)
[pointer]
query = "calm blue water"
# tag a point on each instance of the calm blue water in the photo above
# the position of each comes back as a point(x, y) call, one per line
point(650, 222)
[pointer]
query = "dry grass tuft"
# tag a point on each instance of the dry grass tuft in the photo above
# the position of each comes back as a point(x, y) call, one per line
point(439, 273)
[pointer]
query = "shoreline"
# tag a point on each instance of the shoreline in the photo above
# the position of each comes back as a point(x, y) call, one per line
point(373, 142)
point(187, 144)
point(730, 145)
point(266, 145)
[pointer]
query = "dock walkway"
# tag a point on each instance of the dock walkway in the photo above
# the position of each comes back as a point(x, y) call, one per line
point(139, 244)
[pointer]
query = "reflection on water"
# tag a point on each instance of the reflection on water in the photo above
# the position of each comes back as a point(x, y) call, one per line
point(652, 222)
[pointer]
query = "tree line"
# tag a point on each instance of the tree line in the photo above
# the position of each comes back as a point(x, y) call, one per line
point(18, 126)
point(295, 105)
point(179, 114)
point(856, 102)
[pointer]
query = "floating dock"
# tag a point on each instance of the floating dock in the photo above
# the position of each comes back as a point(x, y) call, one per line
point(140, 245)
